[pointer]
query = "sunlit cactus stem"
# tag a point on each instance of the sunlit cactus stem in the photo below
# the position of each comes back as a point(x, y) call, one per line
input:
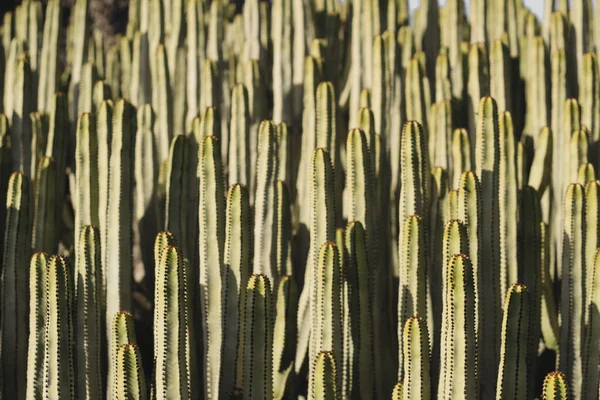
point(172, 322)
point(555, 387)
point(512, 371)
point(123, 332)
point(572, 293)
point(284, 337)
point(38, 273)
point(324, 377)
point(58, 363)
point(90, 306)
point(416, 359)
point(211, 219)
point(258, 342)
point(326, 308)
point(131, 382)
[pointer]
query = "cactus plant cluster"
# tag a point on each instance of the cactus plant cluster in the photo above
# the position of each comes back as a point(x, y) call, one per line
point(300, 199)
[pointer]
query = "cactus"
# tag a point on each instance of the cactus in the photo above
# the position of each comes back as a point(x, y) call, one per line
point(487, 165)
point(258, 341)
point(326, 309)
point(458, 378)
point(530, 272)
point(591, 353)
point(45, 220)
point(324, 377)
point(239, 148)
point(283, 232)
point(89, 317)
point(398, 392)
point(322, 228)
point(48, 70)
point(162, 101)
point(264, 201)
point(211, 217)
point(38, 297)
point(21, 124)
point(573, 284)
point(118, 255)
point(58, 360)
point(86, 179)
point(122, 332)
point(549, 315)
point(284, 336)
point(131, 381)
point(416, 359)
point(15, 278)
point(512, 371)
point(181, 194)
point(412, 294)
point(173, 329)
point(555, 387)
point(237, 267)
point(88, 79)
point(360, 372)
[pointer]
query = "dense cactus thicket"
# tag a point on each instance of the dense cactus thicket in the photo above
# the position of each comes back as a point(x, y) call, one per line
point(300, 199)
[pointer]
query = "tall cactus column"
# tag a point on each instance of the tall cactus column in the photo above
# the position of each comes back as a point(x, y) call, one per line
point(211, 217)
point(119, 216)
point(487, 164)
point(15, 287)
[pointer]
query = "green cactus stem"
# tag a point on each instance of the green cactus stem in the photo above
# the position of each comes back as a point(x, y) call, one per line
point(590, 350)
point(237, 268)
point(284, 337)
point(573, 286)
point(258, 342)
point(512, 372)
point(131, 383)
point(59, 376)
point(89, 314)
point(172, 327)
point(417, 381)
point(38, 298)
point(324, 377)
point(211, 217)
point(458, 377)
point(555, 387)
point(15, 287)
point(326, 308)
